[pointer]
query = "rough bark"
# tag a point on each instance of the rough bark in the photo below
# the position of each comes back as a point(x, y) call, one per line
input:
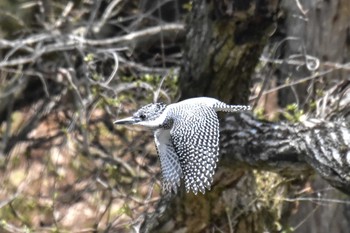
point(293, 151)
point(319, 29)
point(220, 55)
point(224, 43)
point(290, 149)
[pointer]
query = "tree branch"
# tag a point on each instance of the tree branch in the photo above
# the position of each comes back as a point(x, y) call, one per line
point(289, 149)
point(260, 144)
point(71, 41)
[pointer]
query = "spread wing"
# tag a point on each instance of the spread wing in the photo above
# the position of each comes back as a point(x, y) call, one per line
point(169, 161)
point(195, 136)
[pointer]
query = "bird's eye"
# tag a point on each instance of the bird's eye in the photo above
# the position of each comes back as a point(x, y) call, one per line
point(142, 116)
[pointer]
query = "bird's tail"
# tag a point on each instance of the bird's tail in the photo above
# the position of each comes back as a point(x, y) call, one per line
point(222, 107)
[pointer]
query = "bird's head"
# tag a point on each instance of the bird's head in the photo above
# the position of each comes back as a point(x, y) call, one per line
point(148, 116)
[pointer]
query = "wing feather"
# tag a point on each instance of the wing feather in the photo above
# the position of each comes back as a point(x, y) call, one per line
point(169, 161)
point(195, 137)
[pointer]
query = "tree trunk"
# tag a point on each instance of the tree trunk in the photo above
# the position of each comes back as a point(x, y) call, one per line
point(224, 43)
point(319, 29)
point(253, 201)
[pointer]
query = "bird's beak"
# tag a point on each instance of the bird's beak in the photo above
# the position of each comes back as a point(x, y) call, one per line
point(126, 121)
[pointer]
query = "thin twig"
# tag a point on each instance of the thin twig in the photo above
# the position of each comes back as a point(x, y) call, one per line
point(71, 42)
point(316, 75)
point(172, 28)
point(114, 72)
point(64, 14)
point(106, 15)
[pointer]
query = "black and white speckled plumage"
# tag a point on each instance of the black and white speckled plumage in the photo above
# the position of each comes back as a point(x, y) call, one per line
point(187, 139)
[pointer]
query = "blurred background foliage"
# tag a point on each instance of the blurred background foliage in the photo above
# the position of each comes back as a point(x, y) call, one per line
point(68, 69)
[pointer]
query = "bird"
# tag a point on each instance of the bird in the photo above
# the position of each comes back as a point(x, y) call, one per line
point(186, 136)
